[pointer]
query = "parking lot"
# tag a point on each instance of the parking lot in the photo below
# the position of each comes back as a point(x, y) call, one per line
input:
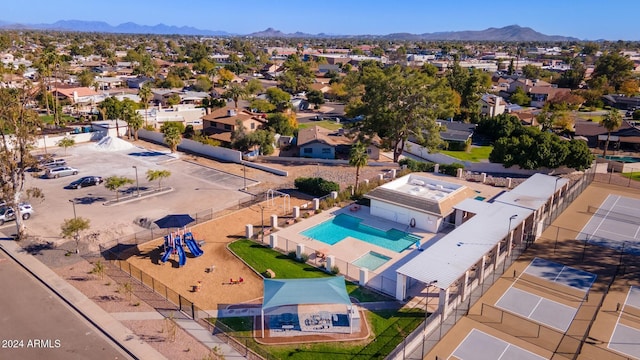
point(195, 188)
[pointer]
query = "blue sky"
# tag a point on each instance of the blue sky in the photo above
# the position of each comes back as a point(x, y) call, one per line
point(583, 19)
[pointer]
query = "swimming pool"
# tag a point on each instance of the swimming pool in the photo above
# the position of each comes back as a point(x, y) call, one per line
point(335, 230)
point(371, 260)
point(622, 159)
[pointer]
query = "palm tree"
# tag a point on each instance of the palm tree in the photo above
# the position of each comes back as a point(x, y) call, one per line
point(235, 92)
point(172, 137)
point(611, 121)
point(153, 175)
point(145, 95)
point(358, 157)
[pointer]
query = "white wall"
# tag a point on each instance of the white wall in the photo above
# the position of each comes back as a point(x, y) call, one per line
point(403, 216)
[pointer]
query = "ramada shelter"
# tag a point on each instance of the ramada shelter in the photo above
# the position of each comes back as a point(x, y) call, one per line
point(283, 297)
point(418, 201)
point(484, 236)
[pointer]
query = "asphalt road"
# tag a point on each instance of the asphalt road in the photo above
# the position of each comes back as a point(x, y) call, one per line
point(36, 324)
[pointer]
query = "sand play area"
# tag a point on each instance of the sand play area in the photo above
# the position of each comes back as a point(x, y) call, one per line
point(216, 291)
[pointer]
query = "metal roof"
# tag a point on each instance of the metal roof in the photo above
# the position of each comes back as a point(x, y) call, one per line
point(450, 257)
point(534, 192)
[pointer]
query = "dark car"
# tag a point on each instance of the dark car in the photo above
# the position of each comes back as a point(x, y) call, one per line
point(86, 181)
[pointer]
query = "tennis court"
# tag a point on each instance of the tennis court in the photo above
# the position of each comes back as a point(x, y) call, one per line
point(478, 345)
point(615, 224)
point(626, 335)
point(579, 281)
point(534, 294)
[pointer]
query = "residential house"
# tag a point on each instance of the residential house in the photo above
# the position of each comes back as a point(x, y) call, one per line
point(325, 68)
point(320, 143)
point(526, 84)
point(541, 94)
point(456, 132)
point(492, 105)
point(138, 82)
point(11, 81)
point(221, 123)
point(185, 114)
point(627, 136)
point(108, 82)
point(622, 102)
point(77, 95)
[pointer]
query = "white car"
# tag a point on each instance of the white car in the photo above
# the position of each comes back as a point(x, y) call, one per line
point(7, 213)
point(57, 172)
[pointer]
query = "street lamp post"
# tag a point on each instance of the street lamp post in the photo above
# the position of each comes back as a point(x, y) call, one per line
point(137, 183)
point(244, 173)
point(509, 236)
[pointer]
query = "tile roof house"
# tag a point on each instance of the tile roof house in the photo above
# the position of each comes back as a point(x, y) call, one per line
point(622, 102)
point(541, 94)
point(221, 123)
point(320, 143)
point(492, 105)
point(626, 136)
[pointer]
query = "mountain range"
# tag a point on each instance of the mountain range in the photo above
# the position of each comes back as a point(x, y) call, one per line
point(507, 33)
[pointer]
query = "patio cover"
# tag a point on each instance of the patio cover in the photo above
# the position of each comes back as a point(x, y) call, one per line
point(280, 292)
point(329, 290)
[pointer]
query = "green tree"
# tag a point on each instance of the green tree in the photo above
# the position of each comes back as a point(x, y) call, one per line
point(297, 75)
point(615, 67)
point(71, 228)
point(280, 124)
point(114, 183)
point(235, 92)
point(225, 77)
point(19, 126)
point(611, 121)
point(261, 105)
point(398, 102)
point(153, 175)
point(279, 98)
point(579, 156)
point(86, 78)
point(66, 142)
point(316, 97)
point(358, 157)
point(203, 84)
point(172, 136)
point(253, 87)
point(520, 97)
point(145, 95)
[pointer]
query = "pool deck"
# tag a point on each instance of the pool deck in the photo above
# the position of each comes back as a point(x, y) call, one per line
point(350, 248)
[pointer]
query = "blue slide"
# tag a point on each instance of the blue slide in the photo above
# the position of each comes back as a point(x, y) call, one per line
point(166, 254)
point(182, 257)
point(193, 246)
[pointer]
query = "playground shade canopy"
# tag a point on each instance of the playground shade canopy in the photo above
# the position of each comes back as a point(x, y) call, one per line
point(174, 221)
point(280, 292)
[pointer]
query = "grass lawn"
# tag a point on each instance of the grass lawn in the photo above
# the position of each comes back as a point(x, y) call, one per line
point(261, 258)
point(635, 176)
point(327, 124)
point(388, 329)
point(594, 118)
point(48, 119)
point(475, 154)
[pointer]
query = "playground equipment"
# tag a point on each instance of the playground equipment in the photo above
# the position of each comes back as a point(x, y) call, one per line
point(174, 244)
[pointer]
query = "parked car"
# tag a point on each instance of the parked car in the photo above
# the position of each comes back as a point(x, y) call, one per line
point(7, 213)
point(53, 163)
point(85, 181)
point(57, 172)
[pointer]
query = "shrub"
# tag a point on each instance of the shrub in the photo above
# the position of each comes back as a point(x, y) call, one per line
point(451, 169)
point(291, 254)
point(316, 186)
point(303, 258)
point(335, 270)
point(417, 166)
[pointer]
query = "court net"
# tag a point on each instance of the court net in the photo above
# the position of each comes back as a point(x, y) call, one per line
point(614, 215)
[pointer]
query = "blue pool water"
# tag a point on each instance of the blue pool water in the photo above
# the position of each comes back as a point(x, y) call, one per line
point(623, 159)
point(371, 260)
point(342, 226)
